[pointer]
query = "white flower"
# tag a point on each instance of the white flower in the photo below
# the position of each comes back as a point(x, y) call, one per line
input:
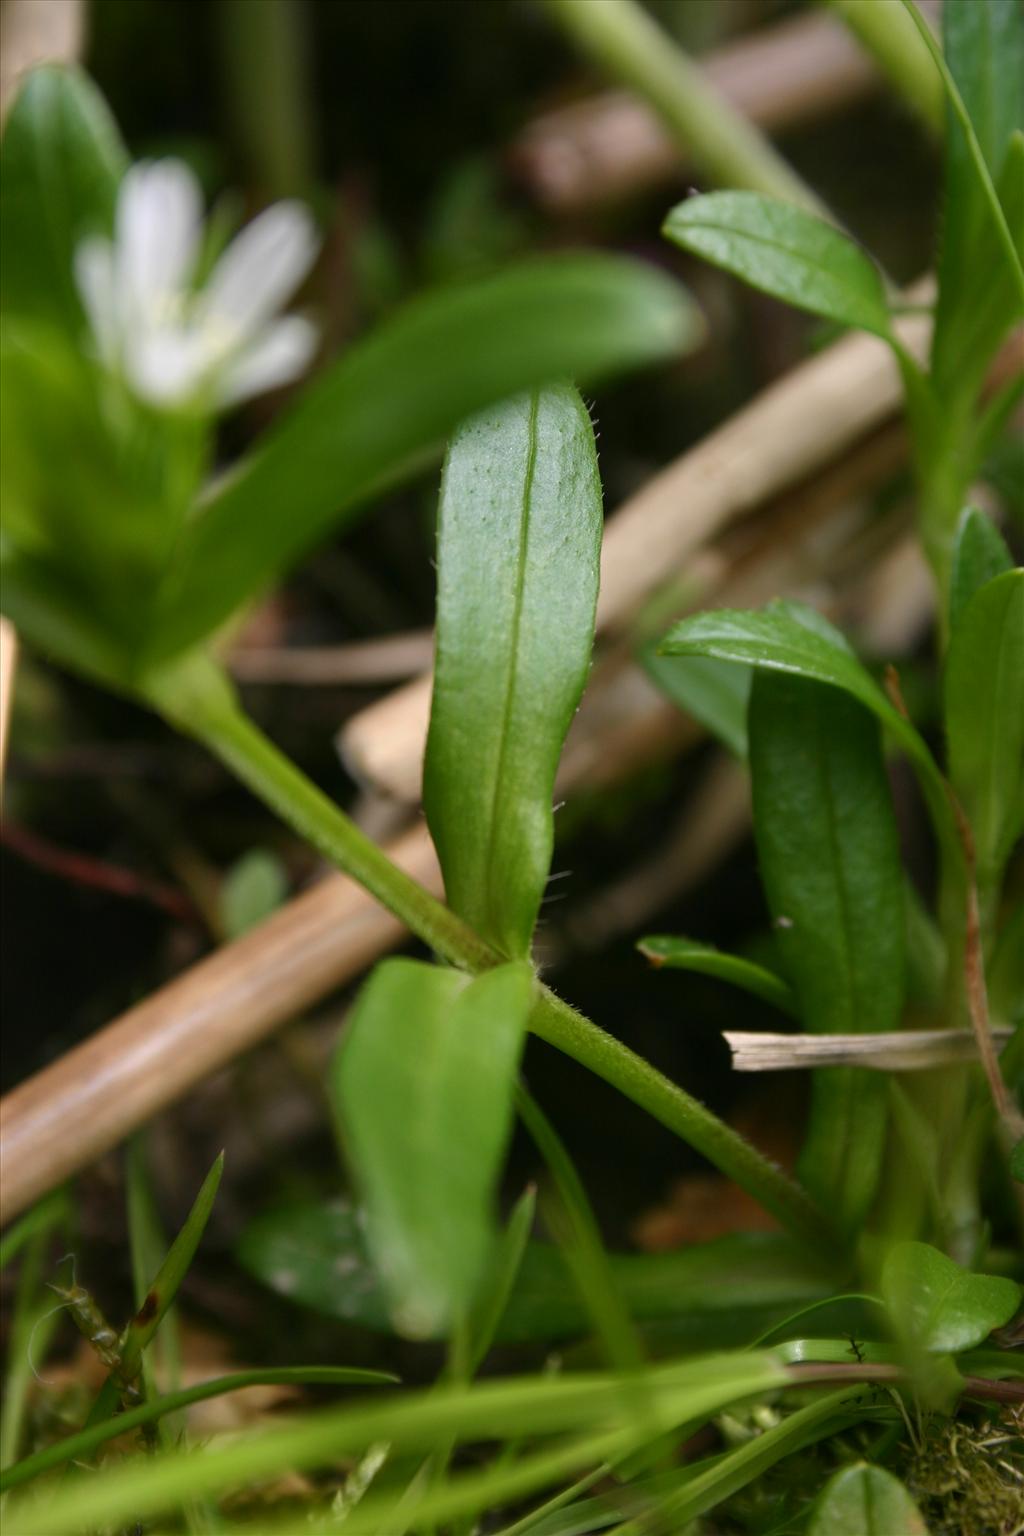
point(171, 343)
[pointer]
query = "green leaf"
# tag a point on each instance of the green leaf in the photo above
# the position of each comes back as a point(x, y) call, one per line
point(493, 1296)
point(789, 637)
point(60, 164)
point(383, 411)
point(786, 252)
point(712, 691)
point(830, 865)
point(985, 718)
point(422, 1086)
point(1005, 976)
point(519, 541)
point(983, 67)
point(866, 1501)
point(979, 555)
point(254, 887)
point(690, 955)
point(939, 1308)
point(507, 1409)
point(160, 1295)
point(78, 1447)
point(711, 1294)
point(1017, 1162)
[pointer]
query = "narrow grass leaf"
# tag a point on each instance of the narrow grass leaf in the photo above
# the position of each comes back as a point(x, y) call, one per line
point(60, 164)
point(984, 710)
point(534, 1406)
point(87, 1441)
point(493, 1297)
point(382, 413)
point(689, 955)
point(786, 252)
point(829, 855)
point(939, 1308)
point(160, 1294)
point(518, 550)
point(422, 1086)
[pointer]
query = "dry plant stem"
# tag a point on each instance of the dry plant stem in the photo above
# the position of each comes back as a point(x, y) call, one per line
point(72, 1112)
point(907, 1051)
point(979, 1387)
point(624, 40)
point(613, 146)
point(368, 662)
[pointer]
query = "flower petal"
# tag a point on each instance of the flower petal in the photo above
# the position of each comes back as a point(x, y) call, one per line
point(166, 367)
point(281, 354)
point(159, 214)
point(94, 278)
point(260, 270)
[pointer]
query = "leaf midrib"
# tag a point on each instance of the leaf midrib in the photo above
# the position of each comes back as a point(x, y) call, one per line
point(511, 671)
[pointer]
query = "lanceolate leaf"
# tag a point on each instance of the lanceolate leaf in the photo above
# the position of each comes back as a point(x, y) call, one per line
point(422, 1087)
point(983, 44)
point(689, 955)
point(979, 555)
point(985, 717)
point(786, 252)
point(708, 1294)
point(940, 1308)
point(712, 691)
point(384, 409)
point(519, 536)
point(60, 165)
point(866, 1501)
point(789, 637)
point(829, 854)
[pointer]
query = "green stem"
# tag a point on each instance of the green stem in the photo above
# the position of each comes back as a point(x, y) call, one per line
point(890, 36)
point(560, 1025)
point(197, 698)
point(630, 47)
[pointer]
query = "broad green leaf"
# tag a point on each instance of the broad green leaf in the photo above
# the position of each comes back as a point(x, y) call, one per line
point(690, 955)
point(984, 709)
point(866, 1501)
point(382, 412)
point(939, 1308)
point(789, 637)
point(979, 556)
point(830, 865)
point(78, 1447)
point(422, 1087)
point(519, 540)
point(711, 1294)
point(712, 691)
point(786, 252)
point(507, 1409)
point(60, 164)
point(983, 44)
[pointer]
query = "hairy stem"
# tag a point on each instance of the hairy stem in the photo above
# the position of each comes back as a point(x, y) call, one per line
point(198, 699)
